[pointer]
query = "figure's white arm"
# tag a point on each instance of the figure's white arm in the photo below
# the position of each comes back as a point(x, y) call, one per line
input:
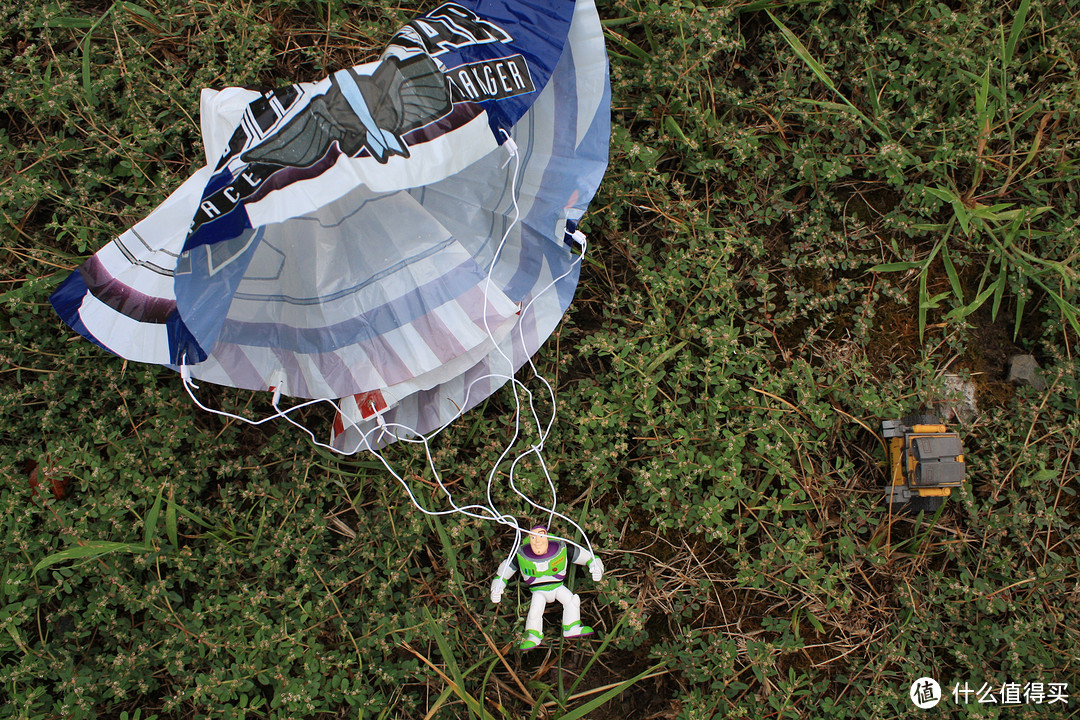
point(593, 563)
point(498, 584)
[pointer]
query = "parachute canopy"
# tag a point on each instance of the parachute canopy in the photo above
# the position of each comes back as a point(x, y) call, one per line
point(364, 237)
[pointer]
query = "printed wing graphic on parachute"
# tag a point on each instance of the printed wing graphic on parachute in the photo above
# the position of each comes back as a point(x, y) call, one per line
point(363, 238)
point(362, 112)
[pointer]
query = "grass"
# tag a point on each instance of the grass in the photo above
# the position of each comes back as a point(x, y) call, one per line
point(814, 211)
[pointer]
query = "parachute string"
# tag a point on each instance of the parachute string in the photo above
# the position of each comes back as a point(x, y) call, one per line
point(514, 156)
point(487, 512)
point(515, 384)
point(473, 511)
point(541, 431)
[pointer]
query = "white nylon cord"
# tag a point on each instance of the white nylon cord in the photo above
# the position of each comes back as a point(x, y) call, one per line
point(542, 432)
point(486, 512)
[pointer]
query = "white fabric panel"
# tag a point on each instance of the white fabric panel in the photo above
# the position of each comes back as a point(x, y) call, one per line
point(220, 112)
point(141, 342)
point(116, 263)
point(590, 64)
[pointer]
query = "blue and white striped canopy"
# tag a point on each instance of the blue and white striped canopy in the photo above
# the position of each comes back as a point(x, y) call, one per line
point(340, 240)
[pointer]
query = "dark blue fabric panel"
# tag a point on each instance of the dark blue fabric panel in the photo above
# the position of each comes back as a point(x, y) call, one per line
point(184, 349)
point(66, 301)
point(203, 296)
point(226, 227)
point(539, 30)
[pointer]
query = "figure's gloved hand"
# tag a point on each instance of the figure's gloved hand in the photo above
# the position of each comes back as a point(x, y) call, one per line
point(596, 567)
point(497, 587)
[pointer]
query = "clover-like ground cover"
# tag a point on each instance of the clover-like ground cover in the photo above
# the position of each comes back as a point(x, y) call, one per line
point(814, 210)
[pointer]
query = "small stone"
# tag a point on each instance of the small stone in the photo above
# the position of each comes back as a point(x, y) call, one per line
point(1023, 370)
point(963, 408)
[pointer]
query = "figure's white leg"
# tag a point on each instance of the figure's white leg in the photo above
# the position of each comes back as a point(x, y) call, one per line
point(571, 605)
point(535, 619)
point(571, 615)
point(534, 622)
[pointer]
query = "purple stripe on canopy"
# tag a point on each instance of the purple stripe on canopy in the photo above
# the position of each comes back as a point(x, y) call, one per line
point(478, 307)
point(443, 343)
point(123, 298)
point(386, 360)
point(238, 367)
point(428, 406)
point(288, 359)
point(336, 373)
point(481, 388)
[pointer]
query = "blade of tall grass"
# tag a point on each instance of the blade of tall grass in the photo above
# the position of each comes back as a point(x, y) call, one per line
point(637, 56)
point(772, 5)
point(896, 266)
point(999, 288)
point(608, 637)
point(455, 681)
point(954, 278)
point(92, 26)
point(1021, 300)
point(93, 549)
point(819, 70)
point(449, 551)
point(611, 691)
point(170, 519)
point(151, 519)
point(502, 658)
point(1014, 32)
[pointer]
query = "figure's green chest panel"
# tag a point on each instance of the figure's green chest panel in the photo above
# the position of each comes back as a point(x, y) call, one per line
point(543, 571)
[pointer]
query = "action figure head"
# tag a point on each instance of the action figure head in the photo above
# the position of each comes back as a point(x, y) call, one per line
point(538, 541)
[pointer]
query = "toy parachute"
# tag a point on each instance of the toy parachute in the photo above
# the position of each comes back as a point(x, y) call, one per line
point(365, 237)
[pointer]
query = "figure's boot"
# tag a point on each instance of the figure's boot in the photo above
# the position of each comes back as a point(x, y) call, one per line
point(531, 640)
point(571, 619)
point(534, 623)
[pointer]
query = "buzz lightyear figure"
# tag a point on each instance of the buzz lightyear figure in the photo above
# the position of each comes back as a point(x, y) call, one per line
point(543, 565)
